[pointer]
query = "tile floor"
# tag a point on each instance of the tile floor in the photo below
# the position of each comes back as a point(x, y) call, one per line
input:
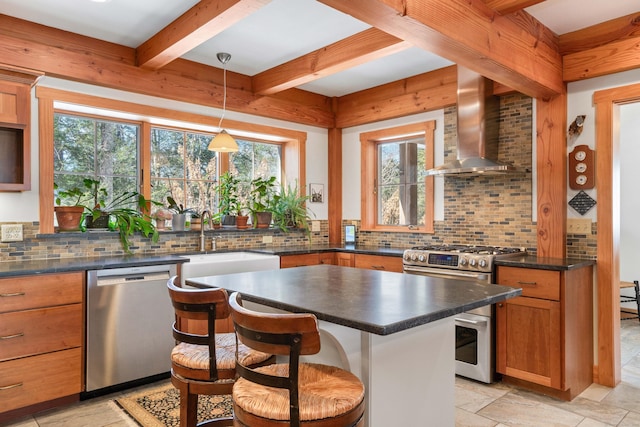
point(477, 405)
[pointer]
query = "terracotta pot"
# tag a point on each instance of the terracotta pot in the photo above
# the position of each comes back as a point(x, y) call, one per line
point(68, 217)
point(241, 221)
point(262, 219)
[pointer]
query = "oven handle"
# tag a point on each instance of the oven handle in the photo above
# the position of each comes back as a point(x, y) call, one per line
point(471, 322)
point(426, 271)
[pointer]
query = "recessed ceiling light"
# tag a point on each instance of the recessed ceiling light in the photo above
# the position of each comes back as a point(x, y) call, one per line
point(101, 1)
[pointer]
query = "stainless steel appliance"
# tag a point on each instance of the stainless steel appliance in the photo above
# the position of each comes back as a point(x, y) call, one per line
point(475, 330)
point(129, 317)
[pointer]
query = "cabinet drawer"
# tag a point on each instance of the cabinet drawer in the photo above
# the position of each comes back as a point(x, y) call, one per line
point(45, 290)
point(379, 262)
point(534, 283)
point(37, 379)
point(30, 332)
point(287, 261)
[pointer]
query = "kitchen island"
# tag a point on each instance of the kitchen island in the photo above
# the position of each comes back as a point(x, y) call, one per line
point(395, 331)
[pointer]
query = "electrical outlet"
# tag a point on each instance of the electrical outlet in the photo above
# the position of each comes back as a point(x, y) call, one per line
point(267, 239)
point(12, 232)
point(315, 225)
point(579, 226)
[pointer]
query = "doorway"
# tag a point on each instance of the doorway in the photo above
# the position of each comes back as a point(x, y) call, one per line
point(608, 103)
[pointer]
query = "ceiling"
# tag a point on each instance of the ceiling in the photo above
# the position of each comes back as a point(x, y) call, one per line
point(283, 30)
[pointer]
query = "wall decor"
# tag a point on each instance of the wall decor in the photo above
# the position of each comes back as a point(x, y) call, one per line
point(575, 128)
point(582, 202)
point(582, 168)
point(317, 193)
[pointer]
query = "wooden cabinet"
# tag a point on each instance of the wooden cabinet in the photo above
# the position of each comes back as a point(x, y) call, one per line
point(41, 338)
point(345, 259)
point(378, 262)
point(15, 140)
point(287, 261)
point(544, 339)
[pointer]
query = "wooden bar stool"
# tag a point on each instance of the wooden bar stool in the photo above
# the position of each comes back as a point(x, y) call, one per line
point(204, 363)
point(290, 394)
point(635, 285)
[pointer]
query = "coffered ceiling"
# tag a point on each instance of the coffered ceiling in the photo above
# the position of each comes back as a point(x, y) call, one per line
point(282, 44)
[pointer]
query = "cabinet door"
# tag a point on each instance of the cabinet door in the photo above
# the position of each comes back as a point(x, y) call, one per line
point(528, 342)
point(379, 262)
point(287, 261)
point(344, 259)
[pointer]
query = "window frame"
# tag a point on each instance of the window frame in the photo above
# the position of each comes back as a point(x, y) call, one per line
point(293, 142)
point(369, 142)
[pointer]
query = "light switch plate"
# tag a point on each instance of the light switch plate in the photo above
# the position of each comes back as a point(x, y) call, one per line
point(315, 225)
point(267, 239)
point(579, 226)
point(12, 232)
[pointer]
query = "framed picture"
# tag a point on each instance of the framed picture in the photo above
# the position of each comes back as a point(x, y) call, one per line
point(317, 193)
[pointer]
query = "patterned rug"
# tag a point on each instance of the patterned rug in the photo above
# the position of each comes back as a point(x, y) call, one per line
point(160, 407)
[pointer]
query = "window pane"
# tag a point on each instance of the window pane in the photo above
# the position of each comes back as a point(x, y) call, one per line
point(103, 150)
point(201, 163)
point(167, 148)
point(401, 198)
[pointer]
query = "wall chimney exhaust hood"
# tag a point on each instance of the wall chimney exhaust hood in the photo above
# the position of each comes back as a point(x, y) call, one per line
point(478, 126)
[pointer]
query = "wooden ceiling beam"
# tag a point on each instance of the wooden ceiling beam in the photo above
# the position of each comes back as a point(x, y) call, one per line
point(94, 69)
point(504, 7)
point(625, 27)
point(197, 25)
point(358, 49)
point(468, 33)
point(602, 60)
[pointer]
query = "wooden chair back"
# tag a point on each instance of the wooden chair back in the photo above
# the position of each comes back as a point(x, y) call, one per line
point(198, 304)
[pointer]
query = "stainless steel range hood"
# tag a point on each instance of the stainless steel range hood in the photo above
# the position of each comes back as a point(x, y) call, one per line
point(478, 127)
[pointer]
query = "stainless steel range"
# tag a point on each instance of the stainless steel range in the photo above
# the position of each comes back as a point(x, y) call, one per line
point(475, 330)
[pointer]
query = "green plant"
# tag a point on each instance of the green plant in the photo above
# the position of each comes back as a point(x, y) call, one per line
point(262, 193)
point(125, 210)
point(290, 210)
point(179, 207)
point(71, 197)
point(229, 201)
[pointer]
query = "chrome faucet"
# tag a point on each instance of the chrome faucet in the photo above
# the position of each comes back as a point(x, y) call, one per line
point(202, 219)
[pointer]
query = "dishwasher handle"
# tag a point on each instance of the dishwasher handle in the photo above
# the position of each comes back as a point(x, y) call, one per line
point(133, 278)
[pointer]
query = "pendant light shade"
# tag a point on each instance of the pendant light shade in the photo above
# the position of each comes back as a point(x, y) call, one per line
point(223, 142)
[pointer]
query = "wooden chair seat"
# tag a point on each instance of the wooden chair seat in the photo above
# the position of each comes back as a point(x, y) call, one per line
point(291, 394)
point(325, 392)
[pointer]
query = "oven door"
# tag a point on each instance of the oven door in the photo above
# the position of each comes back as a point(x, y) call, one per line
point(473, 347)
point(447, 274)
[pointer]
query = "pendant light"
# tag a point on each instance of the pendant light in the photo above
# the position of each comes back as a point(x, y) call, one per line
point(223, 142)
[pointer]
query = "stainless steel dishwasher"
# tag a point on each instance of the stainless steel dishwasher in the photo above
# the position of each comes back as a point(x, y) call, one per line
point(129, 318)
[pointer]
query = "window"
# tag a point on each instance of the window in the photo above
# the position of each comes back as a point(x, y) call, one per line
point(77, 133)
point(88, 147)
point(397, 196)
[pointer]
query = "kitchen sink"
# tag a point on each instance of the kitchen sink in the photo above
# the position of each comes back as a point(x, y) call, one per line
point(214, 264)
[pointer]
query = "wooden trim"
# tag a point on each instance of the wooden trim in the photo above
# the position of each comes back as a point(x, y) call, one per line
point(625, 27)
point(611, 58)
point(551, 164)
point(334, 190)
point(369, 167)
point(45, 134)
point(607, 104)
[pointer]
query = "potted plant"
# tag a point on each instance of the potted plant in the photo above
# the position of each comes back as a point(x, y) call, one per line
point(290, 210)
point(161, 215)
point(69, 208)
point(261, 197)
point(179, 218)
point(229, 201)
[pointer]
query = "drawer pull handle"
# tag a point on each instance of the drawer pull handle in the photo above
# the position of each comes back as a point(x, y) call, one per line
point(520, 282)
point(8, 337)
point(14, 294)
point(378, 267)
point(10, 386)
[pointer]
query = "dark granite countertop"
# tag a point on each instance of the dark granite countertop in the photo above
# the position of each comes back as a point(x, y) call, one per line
point(63, 265)
point(379, 302)
point(310, 249)
point(532, 261)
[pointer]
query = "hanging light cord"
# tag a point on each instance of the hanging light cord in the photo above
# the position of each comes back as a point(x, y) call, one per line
point(224, 96)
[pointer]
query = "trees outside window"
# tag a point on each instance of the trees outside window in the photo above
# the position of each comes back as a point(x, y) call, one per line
point(88, 147)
